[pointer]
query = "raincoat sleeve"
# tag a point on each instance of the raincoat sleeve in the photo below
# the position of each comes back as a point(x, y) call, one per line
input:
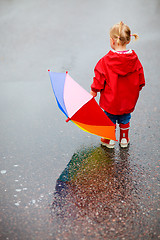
point(141, 79)
point(99, 78)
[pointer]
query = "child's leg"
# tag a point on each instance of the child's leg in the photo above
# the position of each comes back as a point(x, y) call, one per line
point(107, 142)
point(112, 117)
point(124, 131)
point(124, 124)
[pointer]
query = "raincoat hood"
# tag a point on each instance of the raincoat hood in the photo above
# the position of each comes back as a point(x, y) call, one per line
point(123, 63)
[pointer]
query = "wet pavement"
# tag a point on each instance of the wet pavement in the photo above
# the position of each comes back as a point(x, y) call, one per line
point(57, 182)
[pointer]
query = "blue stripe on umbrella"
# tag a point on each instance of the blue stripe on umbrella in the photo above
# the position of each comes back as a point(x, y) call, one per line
point(58, 81)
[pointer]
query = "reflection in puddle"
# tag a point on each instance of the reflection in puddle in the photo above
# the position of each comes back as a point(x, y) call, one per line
point(97, 189)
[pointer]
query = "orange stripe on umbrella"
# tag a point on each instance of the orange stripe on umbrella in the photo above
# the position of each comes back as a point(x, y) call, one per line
point(103, 131)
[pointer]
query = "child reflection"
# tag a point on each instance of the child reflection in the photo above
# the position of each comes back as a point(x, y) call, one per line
point(96, 183)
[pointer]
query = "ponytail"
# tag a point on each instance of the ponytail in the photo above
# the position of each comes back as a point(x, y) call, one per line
point(120, 27)
point(120, 30)
point(135, 36)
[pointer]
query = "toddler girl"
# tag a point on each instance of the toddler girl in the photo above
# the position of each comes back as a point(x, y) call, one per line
point(119, 78)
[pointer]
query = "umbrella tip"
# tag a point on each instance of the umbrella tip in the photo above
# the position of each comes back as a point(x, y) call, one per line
point(66, 72)
point(48, 70)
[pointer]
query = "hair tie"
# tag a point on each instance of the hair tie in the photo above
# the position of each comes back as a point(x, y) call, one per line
point(131, 35)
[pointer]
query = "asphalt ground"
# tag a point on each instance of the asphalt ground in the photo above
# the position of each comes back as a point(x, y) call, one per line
point(57, 182)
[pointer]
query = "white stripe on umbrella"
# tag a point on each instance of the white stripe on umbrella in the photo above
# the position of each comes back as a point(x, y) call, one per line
point(74, 96)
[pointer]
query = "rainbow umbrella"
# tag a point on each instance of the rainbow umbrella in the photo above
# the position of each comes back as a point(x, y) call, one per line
point(80, 107)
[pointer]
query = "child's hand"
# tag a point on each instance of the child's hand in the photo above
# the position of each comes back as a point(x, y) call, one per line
point(94, 94)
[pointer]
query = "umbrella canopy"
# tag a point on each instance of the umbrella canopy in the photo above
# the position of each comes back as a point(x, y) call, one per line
point(80, 107)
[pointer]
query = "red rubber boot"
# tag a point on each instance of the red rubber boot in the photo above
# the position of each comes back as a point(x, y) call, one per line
point(124, 139)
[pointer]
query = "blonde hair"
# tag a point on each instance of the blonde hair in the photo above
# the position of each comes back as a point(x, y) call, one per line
point(122, 33)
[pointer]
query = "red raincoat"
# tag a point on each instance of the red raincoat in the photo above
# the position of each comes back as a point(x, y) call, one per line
point(119, 78)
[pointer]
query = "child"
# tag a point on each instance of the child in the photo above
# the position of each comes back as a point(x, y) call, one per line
point(119, 78)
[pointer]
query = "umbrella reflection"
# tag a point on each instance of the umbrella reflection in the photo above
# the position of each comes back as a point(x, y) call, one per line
point(96, 183)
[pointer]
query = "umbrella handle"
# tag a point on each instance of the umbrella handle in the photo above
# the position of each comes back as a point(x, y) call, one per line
point(68, 119)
